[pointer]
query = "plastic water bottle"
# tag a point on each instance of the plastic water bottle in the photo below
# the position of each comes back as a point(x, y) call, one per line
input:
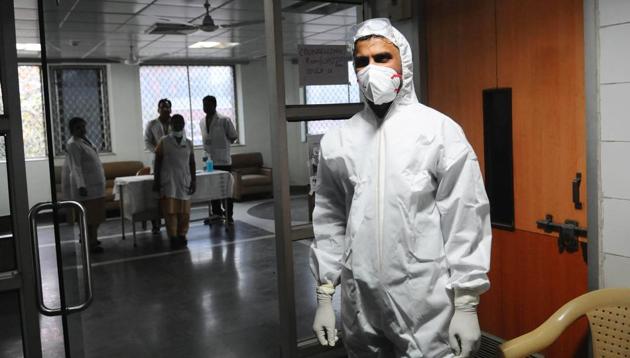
point(209, 165)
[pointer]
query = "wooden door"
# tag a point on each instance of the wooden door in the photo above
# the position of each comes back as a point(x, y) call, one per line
point(536, 48)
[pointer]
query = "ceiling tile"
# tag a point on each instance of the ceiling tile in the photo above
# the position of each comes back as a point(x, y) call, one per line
point(177, 11)
point(116, 7)
point(334, 20)
point(104, 28)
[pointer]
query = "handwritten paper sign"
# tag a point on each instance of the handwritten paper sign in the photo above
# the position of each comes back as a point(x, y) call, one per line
point(323, 64)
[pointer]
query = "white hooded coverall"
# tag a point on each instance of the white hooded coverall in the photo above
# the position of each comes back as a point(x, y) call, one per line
point(401, 220)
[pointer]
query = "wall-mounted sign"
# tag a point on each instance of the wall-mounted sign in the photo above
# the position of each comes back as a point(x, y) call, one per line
point(323, 64)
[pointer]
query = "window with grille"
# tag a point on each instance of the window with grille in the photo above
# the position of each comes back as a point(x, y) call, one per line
point(80, 91)
point(32, 105)
point(186, 86)
point(328, 94)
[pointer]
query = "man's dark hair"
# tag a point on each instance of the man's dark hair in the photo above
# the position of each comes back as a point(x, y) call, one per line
point(177, 118)
point(212, 99)
point(74, 121)
point(164, 101)
point(367, 37)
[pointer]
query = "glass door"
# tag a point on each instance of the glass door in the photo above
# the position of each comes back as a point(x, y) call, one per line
point(19, 331)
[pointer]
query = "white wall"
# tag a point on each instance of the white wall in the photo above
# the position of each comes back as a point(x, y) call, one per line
point(126, 127)
point(614, 88)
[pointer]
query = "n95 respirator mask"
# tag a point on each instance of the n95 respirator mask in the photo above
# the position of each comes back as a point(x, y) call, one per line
point(379, 84)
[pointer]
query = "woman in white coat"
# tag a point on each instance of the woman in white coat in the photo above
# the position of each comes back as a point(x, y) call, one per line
point(175, 179)
point(83, 179)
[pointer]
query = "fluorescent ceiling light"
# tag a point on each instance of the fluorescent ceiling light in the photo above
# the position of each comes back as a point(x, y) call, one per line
point(213, 44)
point(28, 47)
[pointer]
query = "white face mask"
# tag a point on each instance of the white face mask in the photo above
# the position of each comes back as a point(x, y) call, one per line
point(177, 134)
point(379, 84)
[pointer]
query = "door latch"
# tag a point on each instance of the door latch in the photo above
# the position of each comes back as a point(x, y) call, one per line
point(570, 233)
point(576, 191)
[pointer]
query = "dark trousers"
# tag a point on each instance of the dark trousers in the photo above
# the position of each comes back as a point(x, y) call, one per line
point(155, 224)
point(229, 202)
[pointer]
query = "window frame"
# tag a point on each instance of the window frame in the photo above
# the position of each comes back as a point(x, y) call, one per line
point(57, 126)
point(236, 121)
point(27, 63)
point(348, 94)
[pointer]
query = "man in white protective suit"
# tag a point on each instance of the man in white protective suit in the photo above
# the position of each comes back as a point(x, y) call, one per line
point(401, 217)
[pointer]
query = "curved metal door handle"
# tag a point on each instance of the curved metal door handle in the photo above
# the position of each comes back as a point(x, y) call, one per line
point(32, 217)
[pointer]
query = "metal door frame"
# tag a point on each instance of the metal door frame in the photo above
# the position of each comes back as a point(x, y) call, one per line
point(593, 123)
point(22, 279)
point(280, 114)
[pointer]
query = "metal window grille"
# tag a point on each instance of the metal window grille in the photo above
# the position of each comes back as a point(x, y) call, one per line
point(80, 91)
point(186, 86)
point(32, 105)
point(328, 94)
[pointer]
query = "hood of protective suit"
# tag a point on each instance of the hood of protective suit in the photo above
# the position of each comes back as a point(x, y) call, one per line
point(382, 27)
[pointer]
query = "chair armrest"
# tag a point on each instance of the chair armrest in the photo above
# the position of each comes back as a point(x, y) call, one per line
point(265, 171)
point(545, 334)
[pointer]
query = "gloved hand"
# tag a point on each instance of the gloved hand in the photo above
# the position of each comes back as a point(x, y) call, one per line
point(324, 323)
point(464, 333)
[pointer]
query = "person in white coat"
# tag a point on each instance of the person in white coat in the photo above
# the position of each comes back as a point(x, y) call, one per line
point(217, 134)
point(175, 179)
point(401, 217)
point(83, 179)
point(154, 131)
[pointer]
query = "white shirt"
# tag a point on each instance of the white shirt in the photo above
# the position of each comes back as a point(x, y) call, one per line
point(82, 168)
point(219, 137)
point(175, 176)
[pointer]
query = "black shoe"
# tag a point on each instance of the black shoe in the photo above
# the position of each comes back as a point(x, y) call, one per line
point(178, 242)
point(97, 250)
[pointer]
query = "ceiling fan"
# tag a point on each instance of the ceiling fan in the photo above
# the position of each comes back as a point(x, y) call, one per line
point(207, 25)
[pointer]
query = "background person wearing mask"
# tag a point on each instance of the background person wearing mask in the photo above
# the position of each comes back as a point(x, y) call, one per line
point(401, 217)
point(175, 180)
point(218, 133)
point(83, 179)
point(154, 131)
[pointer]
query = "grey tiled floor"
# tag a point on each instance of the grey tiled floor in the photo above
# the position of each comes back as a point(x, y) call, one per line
point(215, 298)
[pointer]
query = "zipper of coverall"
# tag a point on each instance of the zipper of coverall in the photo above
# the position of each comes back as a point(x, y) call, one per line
point(380, 194)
